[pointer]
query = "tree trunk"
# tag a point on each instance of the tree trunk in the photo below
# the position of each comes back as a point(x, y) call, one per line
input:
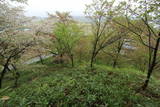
point(151, 68)
point(116, 59)
point(72, 60)
point(2, 74)
point(14, 67)
point(94, 51)
point(16, 79)
point(92, 60)
point(119, 48)
point(115, 63)
point(41, 59)
point(61, 58)
point(147, 80)
point(16, 83)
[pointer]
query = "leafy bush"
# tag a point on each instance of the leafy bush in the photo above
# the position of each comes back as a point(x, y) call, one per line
point(78, 87)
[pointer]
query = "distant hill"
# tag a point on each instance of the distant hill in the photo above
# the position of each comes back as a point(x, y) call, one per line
point(77, 18)
point(81, 18)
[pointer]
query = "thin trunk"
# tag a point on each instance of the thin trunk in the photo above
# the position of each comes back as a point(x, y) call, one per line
point(92, 60)
point(17, 76)
point(150, 52)
point(94, 50)
point(4, 70)
point(116, 59)
point(14, 67)
point(115, 63)
point(120, 45)
point(2, 74)
point(16, 83)
point(72, 60)
point(151, 68)
point(8, 69)
point(41, 59)
point(61, 58)
point(93, 55)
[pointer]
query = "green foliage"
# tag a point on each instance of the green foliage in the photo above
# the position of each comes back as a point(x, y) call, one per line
point(54, 85)
point(78, 87)
point(66, 36)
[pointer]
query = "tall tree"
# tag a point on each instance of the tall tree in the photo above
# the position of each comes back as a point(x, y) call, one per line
point(11, 50)
point(101, 12)
point(13, 41)
point(67, 33)
point(146, 14)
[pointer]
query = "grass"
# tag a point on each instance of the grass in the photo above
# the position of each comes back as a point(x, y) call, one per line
point(57, 86)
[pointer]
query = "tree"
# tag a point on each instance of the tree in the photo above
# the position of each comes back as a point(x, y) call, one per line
point(67, 33)
point(42, 31)
point(117, 48)
point(66, 38)
point(144, 13)
point(10, 51)
point(61, 17)
point(101, 12)
point(13, 41)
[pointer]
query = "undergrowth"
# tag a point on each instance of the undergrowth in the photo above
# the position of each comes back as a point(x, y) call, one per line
point(56, 86)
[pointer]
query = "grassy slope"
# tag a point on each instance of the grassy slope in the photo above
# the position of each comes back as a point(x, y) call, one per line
point(41, 85)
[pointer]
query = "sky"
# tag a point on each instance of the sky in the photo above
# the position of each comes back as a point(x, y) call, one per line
point(41, 7)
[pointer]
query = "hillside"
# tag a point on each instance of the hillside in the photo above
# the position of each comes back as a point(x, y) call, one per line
point(56, 86)
point(95, 53)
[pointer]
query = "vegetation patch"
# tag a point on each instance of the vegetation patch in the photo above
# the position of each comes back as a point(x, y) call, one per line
point(78, 87)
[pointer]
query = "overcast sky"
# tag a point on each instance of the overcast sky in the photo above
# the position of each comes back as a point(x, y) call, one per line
point(41, 7)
